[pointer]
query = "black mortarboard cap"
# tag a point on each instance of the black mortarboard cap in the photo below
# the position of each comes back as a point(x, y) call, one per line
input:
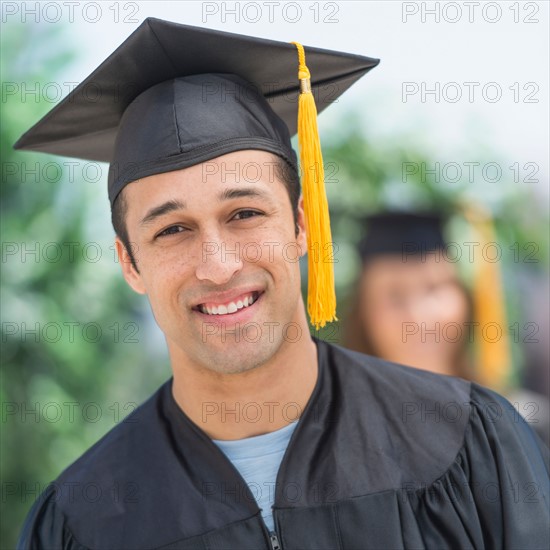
point(402, 233)
point(172, 96)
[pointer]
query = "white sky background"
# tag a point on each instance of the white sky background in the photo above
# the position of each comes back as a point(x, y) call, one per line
point(472, 42)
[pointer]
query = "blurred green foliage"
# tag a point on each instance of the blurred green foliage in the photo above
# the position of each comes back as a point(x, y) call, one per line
point(366, 177)
point(83, 371)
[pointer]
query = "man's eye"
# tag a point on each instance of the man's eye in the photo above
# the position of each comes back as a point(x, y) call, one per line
point(245, 214)
point(172, 230)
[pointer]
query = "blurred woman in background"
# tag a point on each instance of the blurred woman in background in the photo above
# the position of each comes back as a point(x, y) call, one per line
point(409, 305)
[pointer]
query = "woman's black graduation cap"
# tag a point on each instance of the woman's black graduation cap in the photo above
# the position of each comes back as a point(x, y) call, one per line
point(406, 233)
point(173, 96)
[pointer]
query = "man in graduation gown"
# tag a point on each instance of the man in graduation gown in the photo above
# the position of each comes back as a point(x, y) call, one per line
point(263, 437)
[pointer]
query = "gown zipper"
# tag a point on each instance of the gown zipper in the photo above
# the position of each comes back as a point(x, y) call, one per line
point(274, 540)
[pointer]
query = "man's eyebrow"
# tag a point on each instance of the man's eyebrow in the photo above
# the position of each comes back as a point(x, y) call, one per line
point(241, 192)
point(161, 210)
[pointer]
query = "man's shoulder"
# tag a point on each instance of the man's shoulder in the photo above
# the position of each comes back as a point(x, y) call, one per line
point(118, 454)
point(415, 424)
point(393, 380)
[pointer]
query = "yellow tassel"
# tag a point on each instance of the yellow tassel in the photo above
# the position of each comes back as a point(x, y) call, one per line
point(321, 296)
point(493, 360)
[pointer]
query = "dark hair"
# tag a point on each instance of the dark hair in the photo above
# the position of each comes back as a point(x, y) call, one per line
point(283, 171)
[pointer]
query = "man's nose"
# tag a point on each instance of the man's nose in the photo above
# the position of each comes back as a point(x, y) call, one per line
point(219, 261)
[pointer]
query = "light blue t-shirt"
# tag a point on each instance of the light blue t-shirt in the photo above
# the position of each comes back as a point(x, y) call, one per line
point(258, 459)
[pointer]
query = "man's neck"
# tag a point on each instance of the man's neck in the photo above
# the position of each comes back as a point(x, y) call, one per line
point(255, 402)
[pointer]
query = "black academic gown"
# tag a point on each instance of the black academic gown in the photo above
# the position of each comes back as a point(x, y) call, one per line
point(384, 456)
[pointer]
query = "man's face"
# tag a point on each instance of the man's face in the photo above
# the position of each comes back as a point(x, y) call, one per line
point(217, 253)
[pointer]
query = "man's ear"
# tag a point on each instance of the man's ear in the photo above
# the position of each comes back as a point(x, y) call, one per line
point(301, 237)
point(133, 278)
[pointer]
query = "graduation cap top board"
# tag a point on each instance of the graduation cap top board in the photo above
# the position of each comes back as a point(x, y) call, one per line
point(173, 96)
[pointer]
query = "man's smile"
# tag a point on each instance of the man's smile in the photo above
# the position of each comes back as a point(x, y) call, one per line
point(216, 308)
point(233, 306)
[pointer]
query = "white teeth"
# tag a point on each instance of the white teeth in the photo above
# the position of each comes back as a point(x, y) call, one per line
point(232, 307)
